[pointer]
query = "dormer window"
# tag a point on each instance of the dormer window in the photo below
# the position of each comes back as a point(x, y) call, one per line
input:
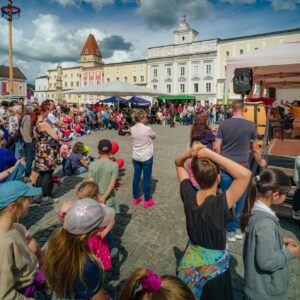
point(86, 51)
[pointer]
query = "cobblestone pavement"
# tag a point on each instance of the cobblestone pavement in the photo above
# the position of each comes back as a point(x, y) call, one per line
point(156, 236)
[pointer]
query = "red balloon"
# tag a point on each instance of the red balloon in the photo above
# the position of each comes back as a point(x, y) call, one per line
point(67, 132)
point(120, 163)
point(114, 148)
point(77, 128)
point(66, 120)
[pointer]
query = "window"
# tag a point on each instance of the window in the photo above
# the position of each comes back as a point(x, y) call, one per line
point(196, 87)
point(169, 71)
point(50, 85)
point(155, 87)
point(54, 85)
point(182, 88)
point(98, 82)
point(134, 78)
point(169, 88)
point(227, 53)
point(77, 83)
point(86, 51)
point(155, 72)
point(71, 83)
point(54, 77)
point(182, 71)
point(85, 83)
point(255, 48)
point(241, 51)
point(20, 87)
point(108, 80)
point(183, 38)
point(196, 69)
point(142, 78)
point(117, 78)
point(208, 69)
point(208, 87)
point(71, 75)
point(66, 84)
point(125, 79)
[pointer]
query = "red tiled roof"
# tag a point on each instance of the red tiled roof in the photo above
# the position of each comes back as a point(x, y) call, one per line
point(91, 47)
point(4, 72)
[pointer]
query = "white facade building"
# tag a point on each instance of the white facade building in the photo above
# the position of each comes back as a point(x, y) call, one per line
point(187, 67)
point(41, 87)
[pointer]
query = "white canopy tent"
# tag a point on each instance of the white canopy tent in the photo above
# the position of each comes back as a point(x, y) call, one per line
point(116, 88)
point(274, 66)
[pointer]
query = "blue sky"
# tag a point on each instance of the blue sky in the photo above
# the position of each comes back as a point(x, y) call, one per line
point(54, 31)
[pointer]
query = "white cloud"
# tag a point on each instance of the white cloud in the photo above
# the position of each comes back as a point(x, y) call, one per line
point(95, 3)
point(51, 43)
point(284, 4)
point(166, 13)
point(239, 1)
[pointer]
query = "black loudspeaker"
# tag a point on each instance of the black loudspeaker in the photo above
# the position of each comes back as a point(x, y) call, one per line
point(242, 81)
point(272, 92)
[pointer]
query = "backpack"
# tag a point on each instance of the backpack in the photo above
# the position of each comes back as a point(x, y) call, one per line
point(67, 168)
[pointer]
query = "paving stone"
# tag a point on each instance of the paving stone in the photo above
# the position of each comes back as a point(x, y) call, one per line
point(156, 236)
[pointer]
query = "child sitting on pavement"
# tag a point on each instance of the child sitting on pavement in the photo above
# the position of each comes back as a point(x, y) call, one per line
point(20, 254)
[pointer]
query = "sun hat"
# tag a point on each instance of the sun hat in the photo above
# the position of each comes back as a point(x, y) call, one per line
point(86, 215)
point(105, 145)
point(11, 191)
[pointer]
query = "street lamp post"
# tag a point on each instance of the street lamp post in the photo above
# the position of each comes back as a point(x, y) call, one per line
point(10, 13)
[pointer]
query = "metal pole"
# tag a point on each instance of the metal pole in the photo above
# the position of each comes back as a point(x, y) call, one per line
point(11, 72)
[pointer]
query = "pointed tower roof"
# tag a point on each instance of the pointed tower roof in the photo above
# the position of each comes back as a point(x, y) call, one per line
point(184, 26)
point(90, 47)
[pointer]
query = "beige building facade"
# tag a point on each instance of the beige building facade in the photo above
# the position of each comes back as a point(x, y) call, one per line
point(233, 47)
point(133, 72)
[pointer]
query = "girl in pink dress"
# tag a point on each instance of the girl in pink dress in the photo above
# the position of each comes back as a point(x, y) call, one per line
point(97, 243)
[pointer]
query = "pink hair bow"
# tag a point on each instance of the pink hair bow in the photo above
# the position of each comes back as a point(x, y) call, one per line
point(151, 283)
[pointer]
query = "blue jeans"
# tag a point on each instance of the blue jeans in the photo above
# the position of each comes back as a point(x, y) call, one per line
point(226, 181)
point(29, 149)
point(80, 170)
point(146, 168)
point(18, 150)
point(16, 174)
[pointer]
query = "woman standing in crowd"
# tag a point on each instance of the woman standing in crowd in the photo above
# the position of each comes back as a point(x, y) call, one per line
point(266, 252)
point(200, 133)
point(71, 269)
point(206, 217)
point(46, 152)
point(142, 158)
point(26, 132)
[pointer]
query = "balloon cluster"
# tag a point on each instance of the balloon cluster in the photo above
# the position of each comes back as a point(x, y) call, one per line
point(115, 150)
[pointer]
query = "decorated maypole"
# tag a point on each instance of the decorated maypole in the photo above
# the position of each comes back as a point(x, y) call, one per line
point(10, 13)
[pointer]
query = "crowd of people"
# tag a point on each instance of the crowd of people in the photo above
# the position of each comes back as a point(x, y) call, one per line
point(222, 203)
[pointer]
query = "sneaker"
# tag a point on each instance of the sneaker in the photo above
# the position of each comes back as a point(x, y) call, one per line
point(114, 251)
point(238, 234)
point(137, 201)
point(149, 203)
point(48, 201)
point(296, 214)
point(231, 236)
